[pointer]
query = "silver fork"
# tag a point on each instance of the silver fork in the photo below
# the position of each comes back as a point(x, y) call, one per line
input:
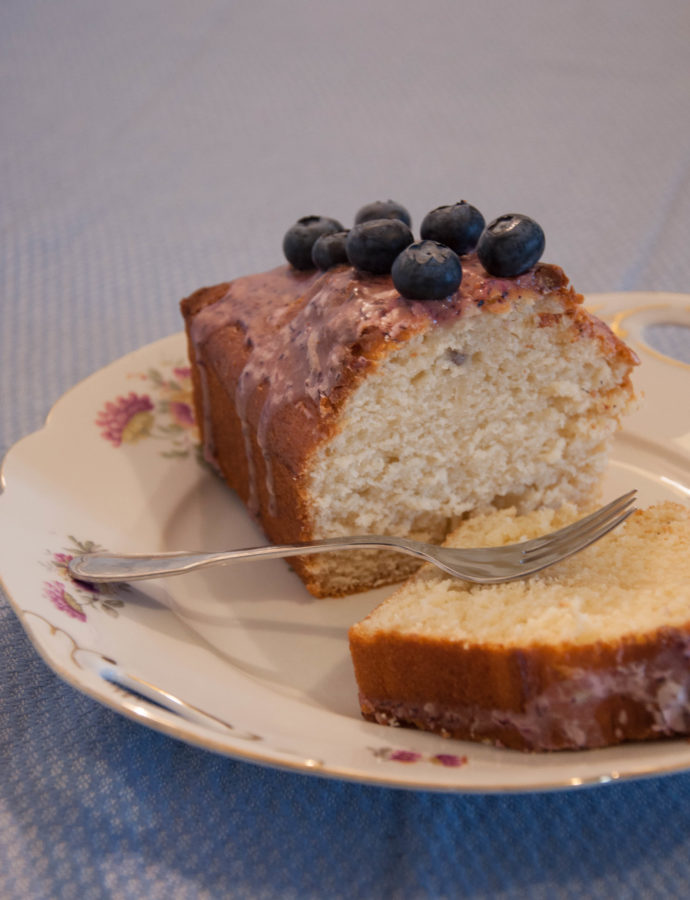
point(483, 565)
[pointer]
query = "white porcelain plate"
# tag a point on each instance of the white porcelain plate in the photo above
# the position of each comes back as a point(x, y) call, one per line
point(241, 660)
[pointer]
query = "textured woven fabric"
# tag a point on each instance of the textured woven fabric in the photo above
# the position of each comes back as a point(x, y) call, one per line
point(152, 147)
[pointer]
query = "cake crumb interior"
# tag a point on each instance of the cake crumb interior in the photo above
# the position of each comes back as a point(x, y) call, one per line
point(617, 586)
point(530, 408)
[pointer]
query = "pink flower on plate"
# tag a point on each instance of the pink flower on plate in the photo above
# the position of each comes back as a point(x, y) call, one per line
point(405, 756)
point(182, 372)
point(64, 601)
point(182, 413)
point(449, 759)
point(61, 562)
point(127, 419)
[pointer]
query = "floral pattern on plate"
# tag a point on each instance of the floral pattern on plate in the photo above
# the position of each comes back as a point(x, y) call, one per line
point(164, 412)
point(72, 596)
point(451, 760)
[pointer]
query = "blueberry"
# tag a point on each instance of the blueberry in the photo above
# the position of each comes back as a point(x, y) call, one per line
point(299, 240)
point(383, 209)
point(373, 246)
point(458, 226)
point(427, 270)
point(510, 245)
point(329, 250)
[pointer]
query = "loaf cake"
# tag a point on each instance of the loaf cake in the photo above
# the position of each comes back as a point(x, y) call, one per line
point(334, 405)
point(590, 652)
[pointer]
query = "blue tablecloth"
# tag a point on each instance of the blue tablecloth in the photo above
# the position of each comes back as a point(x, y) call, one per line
point(151, 147)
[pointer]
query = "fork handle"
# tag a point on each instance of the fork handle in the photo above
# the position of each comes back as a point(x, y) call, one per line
point(102, 567)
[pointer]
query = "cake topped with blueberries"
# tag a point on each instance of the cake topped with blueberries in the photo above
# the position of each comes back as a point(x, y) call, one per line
point(380, 383)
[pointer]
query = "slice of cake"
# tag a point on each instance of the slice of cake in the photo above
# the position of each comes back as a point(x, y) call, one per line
point(591, 652)
point(335, 404)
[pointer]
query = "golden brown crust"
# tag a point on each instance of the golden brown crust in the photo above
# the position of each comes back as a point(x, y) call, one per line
point(588, 325)
point(532, 698)
point(204, 296)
